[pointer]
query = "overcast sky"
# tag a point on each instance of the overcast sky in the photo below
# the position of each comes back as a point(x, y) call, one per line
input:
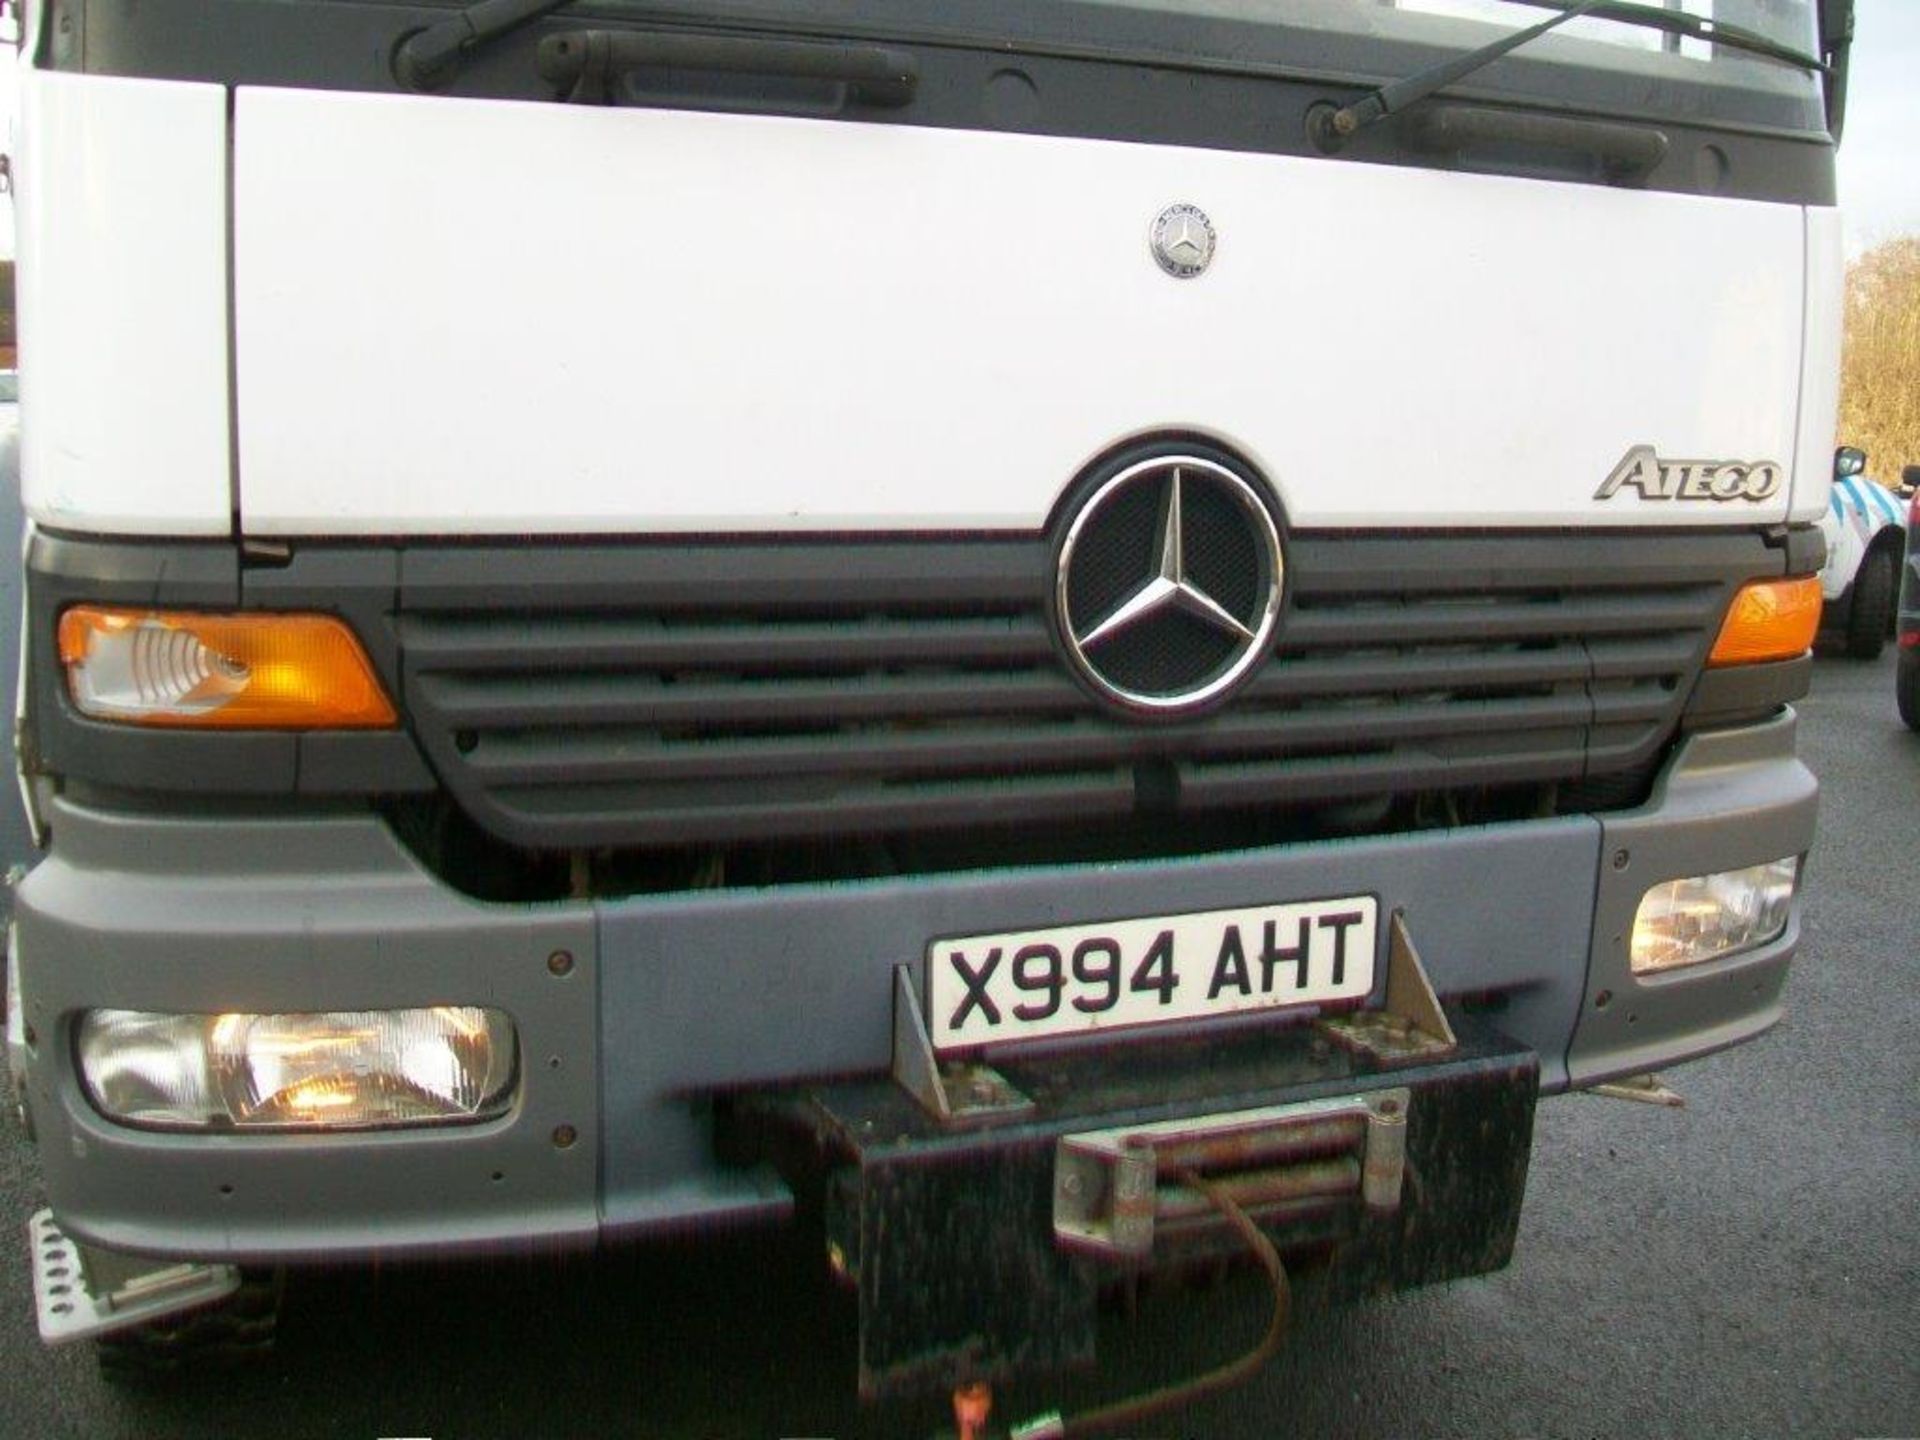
point(1880, 153)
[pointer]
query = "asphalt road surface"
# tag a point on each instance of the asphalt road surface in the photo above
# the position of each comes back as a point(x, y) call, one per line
point(1749, 1265)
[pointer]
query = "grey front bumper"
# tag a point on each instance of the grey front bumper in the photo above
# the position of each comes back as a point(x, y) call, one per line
point(673, 1000)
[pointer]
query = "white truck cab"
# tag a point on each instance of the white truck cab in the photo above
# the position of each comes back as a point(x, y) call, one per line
point(1005, 634)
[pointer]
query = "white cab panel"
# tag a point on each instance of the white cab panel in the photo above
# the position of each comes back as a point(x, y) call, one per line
point(1820, 375)
point(123, 305)
point(460, 316)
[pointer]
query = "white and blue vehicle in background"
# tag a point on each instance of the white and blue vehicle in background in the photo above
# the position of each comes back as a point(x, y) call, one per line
point(1865, 534)
point(1906, 681)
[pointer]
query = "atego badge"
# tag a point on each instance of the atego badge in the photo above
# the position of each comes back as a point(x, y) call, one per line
point(1656, 479)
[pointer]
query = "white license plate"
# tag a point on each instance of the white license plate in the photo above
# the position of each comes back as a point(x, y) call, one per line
point(1027, 985)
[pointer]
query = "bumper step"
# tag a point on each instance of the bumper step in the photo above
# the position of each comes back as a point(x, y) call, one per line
point(81, 1293)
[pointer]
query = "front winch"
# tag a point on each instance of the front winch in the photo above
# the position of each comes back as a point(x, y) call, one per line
point(978, 1249)
point(1115, 1190)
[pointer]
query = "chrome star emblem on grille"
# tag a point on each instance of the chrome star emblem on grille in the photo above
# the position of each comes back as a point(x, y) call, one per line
point(1169, 584)
point(1182, 239)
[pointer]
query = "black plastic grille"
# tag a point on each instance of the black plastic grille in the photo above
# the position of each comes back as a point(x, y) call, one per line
point(713, 694)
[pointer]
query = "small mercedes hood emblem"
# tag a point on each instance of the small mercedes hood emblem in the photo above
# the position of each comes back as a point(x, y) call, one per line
point(1169, 584)
point(1182, 238)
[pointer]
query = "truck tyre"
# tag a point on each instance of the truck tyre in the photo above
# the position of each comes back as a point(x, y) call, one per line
point(1906, 688)
point(232, 1331)
point(1871, 616)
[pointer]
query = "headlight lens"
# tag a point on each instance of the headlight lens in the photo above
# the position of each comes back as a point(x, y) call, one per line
point(1703, 917)
point(339, 1070)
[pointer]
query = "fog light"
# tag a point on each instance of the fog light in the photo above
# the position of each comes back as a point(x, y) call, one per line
point(1703, 917)
point(337, 1070)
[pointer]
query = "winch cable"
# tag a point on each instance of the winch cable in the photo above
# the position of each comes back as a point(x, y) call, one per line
point(1234, 1372)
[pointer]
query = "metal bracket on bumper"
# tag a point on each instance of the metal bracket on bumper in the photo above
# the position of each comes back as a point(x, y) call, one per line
point(954, 1093)
point(1411, 1022)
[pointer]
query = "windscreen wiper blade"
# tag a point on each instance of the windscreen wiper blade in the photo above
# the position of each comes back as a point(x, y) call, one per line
point(1695, 27)
point(1336, 125)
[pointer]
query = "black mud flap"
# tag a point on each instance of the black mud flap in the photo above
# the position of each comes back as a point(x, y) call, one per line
point(978, 1250)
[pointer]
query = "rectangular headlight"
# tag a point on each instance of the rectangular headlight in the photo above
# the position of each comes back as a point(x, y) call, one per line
point(1704, 917)
point(336, 1070)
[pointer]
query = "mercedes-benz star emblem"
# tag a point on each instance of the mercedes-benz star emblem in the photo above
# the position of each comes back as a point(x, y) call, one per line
point(1169, 584)
point(1183, 240)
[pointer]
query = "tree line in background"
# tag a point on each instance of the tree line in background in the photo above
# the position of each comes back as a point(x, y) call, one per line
point(1880, 368)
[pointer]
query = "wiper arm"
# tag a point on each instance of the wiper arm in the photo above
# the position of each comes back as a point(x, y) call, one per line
point(425, 58)
point(1333, 126)
point(1392, 98)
